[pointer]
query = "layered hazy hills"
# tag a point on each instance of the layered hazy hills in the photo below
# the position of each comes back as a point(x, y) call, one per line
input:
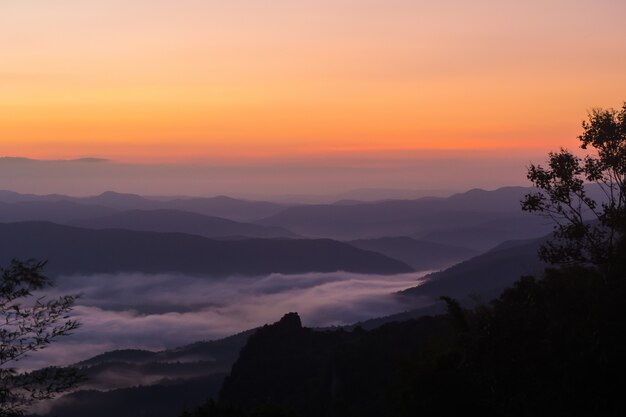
point(134, 367)
point(174, 377)
point(167, 399)
point(426, 233)
point(53, 211)
point(72, 250)
point(477, 219)
point(475, 280)
point(419, 254)
point(493, 216)
point(132, 382)
point(487, 235)
point(486, 274)
point(163, 220)
point(219, 206)
point(158, 220)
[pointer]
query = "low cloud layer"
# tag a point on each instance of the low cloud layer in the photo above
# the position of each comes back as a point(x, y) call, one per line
point(163, 311)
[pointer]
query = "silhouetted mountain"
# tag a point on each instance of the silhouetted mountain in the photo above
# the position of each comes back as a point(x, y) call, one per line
point(347, 202)
point(135, 356)
point(504, 199)
point(485, 274)
point(544, 347)
point(170, 398)
point(485, 236)
point(289, 352)
point(88, 214)
point(226, 349)
point(357, 195)
point(419, 254)
point(426, 216)
point(13, 197)
point(131, 382)
point(131, 367)
point(219, 206)
point(330, 373)
point(378, 194)
point(72, 250)
point(477, 219)
point(528, 340)
point(227, 207)
point(54, 211)
point(182, 222)
point(120, 201)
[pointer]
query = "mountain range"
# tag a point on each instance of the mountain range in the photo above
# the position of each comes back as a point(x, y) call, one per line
point(455, 220)
point(73, 250)
point(485, 275)
point(420, 254)
point(219, 206)
point(177, 221)
point(480, 237)
point(477, 219)
point(131, 383)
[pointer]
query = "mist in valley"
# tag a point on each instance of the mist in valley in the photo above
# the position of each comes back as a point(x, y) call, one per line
point(160, 311)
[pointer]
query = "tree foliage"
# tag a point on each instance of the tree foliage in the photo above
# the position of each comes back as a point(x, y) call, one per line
point(29, 324)
point(585, 196)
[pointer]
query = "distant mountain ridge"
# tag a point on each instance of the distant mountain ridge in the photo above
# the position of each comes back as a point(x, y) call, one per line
point(177, 221)
point(60, 211)
point(219, 206)
point(421, 218)
point(476, 219)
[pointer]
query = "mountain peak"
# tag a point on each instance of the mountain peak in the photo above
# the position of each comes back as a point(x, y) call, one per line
point(115, 194)
point(291, 321)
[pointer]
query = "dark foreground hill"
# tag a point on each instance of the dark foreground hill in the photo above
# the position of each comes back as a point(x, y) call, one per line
point(547, 347)
point(72, 250)
point(327, 369)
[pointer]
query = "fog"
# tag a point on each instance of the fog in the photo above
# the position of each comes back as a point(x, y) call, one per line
point(163, 311)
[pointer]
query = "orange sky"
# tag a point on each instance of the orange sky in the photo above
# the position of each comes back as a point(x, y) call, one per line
point(200, 80)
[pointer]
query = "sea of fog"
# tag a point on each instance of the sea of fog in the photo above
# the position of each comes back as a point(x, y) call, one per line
point(162, 311)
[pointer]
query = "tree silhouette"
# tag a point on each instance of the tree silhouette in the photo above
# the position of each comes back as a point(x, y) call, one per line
point(29, 324)
point(585, 196)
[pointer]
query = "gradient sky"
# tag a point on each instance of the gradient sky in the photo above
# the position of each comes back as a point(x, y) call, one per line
point(153, 81)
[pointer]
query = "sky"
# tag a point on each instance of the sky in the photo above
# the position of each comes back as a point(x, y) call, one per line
point(260, 83)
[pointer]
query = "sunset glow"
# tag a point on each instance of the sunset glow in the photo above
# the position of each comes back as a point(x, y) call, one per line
point(172, 81)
